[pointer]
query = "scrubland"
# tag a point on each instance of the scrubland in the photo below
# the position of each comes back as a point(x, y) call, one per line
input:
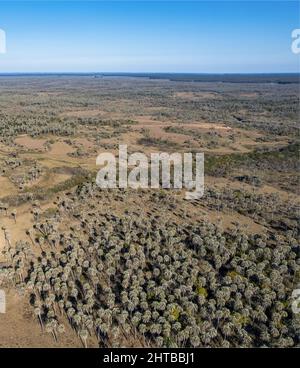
point(83, 266)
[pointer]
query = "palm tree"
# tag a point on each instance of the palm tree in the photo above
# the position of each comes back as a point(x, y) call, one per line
point(37, 312)
point(83, 334)
point(14, 215)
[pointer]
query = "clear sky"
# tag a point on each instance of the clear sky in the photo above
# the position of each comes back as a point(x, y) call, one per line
point(127, 36)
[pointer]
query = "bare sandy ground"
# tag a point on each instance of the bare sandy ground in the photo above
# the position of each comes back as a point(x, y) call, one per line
point(197, 95)
point(82, 113)
point(20, 328)
point(6, 187)
point(30, 143)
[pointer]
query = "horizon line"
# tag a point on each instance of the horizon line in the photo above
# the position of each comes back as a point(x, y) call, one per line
point(147, 72)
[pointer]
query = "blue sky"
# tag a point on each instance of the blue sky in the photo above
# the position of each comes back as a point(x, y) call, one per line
point(198, 36)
